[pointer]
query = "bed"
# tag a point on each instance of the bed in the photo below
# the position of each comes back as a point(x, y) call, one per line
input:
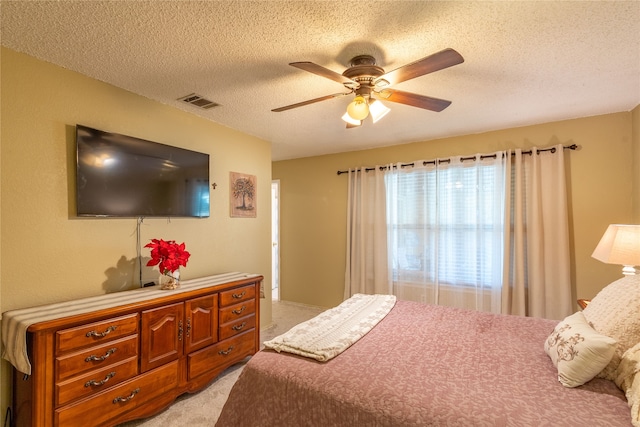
point(425, 365)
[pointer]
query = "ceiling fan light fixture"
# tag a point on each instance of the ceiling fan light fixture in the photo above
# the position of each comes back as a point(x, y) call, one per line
point(351, 121)
point(378, 110)
point(358, 109)
point(365, 80)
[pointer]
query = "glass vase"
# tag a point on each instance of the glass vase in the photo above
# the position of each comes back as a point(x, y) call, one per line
point(170, 280)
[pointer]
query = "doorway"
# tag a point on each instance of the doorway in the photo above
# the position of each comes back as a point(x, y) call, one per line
point(275, 240)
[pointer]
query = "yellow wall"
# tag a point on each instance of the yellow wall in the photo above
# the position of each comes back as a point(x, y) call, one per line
point(50, 256)
point(313, 199)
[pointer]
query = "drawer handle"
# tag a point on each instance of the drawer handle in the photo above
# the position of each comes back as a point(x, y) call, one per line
point(93, 358)
point(239, 310)
point(239, 327)
point(99, 383)
point(102, 334)
point(188, 327)
point(180, 330)
point(225, 352)
point(240, 295)
point(128, 398)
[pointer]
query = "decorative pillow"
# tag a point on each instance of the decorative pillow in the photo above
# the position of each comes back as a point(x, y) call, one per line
point(615, 312)
point(578, 351)
point(628, 379)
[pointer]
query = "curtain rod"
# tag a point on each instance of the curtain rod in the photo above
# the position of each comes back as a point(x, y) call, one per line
point(462, 159)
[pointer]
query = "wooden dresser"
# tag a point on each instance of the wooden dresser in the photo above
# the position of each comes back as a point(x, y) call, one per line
point(105, 366)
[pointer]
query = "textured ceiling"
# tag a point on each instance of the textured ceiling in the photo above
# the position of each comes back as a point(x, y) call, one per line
point(526, 62)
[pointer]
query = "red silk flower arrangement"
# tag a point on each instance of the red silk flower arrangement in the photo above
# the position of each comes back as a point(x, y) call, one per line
point(167, 255)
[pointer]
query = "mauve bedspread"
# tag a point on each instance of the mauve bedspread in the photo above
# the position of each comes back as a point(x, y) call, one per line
point(425, 365)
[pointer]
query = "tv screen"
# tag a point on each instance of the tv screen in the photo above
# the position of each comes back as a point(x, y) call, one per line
point(124, 176)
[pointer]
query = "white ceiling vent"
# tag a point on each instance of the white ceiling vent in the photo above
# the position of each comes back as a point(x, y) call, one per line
point(198, 101)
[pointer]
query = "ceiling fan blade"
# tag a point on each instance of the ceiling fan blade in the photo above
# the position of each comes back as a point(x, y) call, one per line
point(310, 101)
point(327, 73)
point(413, 99)
point(438, 61)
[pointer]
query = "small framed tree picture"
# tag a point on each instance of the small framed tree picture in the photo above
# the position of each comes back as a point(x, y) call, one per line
point(242, 195)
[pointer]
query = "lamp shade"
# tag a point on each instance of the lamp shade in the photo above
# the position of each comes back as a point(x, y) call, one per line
point(352, 122)
point(378, 110)
point(358, 109)
point(620, 244)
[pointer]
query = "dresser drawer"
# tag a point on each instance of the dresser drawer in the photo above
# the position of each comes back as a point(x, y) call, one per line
point(237, 295)
point(95, 381)
point(111, 403)
point(73, 364)
point(237, 311)
point(224, 353)
point(93, 333)
point(237, 326)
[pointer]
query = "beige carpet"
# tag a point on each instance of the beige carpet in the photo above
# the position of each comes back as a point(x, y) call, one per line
point(203, 408)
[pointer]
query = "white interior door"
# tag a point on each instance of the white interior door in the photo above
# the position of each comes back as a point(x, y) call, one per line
point(275, 239)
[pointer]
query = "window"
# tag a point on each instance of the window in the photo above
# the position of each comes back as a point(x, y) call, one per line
point(445, 227)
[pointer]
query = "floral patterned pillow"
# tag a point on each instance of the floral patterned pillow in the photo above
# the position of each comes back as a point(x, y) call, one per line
point(578, 351)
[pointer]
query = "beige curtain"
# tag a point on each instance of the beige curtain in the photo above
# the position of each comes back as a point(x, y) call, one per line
point(367, 268)
point(536, 277)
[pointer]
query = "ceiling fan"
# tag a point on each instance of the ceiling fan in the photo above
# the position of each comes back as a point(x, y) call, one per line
point(371, 84)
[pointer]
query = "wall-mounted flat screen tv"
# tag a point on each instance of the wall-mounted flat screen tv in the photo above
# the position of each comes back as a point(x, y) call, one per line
point(124, 176)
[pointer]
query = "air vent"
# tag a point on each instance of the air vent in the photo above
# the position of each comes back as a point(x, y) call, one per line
point(198, 101)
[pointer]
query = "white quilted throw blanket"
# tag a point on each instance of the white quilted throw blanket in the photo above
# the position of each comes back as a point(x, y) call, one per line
point(333, 331)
